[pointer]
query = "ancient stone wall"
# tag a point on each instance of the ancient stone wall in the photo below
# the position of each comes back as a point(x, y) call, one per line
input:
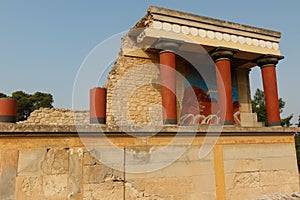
point(57, 116)
point(65, 167)
point(133, 89)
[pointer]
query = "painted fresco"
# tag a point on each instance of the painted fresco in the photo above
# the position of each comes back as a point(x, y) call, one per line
point(200, 100)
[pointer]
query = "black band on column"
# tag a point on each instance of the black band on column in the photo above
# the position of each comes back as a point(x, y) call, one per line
point(274, 123)
point(170, 121)
point(10, 119)
point(228, 122)
point(97, 120)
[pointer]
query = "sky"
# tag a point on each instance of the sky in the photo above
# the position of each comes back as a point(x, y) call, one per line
point(44, 43)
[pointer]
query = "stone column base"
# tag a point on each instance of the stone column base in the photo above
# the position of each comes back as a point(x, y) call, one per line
point(250, 120)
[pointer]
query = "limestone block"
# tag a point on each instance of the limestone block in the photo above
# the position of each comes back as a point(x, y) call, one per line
point(179, 169)
point(56, 161)
point(243, 165)
point(242, 180)
point(55, 186)
point(280, 163)
point(89, 159)
point(100, 173)
point(192, 154)
point(244, 193)
point(29, 187)
point(135, 188)
point(267, 178)
point(257, 151)
point(280, 189)
point(8, 172)
point(204, 183)
point(250, 120)
point(286, 177)
point(30, 161)
point(203, 196)
point(104, 191)
point(75, 174)
point(168, 186)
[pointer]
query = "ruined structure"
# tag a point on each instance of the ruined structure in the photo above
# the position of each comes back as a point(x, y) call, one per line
point(177, 80)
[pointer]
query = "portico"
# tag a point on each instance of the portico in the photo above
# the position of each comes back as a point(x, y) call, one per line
point(234, 49)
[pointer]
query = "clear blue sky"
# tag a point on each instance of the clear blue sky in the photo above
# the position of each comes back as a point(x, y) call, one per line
point(43, 43)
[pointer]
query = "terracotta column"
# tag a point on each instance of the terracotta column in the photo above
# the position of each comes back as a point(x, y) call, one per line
point(98, 105)
point(167, 58)
point(268, 70)
point(168, 86)
point(8, 110)
point(222, 57)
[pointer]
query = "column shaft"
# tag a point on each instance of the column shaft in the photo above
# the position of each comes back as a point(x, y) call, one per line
point(271, 94)
point(223, 73)
point(168, 86)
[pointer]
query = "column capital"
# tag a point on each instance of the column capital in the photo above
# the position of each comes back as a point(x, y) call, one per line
point(223, 53)
point(166, 44)
point(268, 60)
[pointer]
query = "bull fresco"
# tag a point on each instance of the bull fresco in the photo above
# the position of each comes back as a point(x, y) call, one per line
point(200, 100)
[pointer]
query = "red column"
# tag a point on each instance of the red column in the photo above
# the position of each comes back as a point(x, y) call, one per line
point(168, 86)
point(268, 70)
point(223, 74)
point(98, 105)
point(8, 110)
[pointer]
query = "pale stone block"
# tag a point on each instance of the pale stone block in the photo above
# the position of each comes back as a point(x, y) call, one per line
point(30, 162)
point(96, 174)
point(89, 159)
point(75, 175)
point(280, 163)
point(101, 173)
point(244, 193)
point(55, 186)
point(285, 177)
point(8, 173)
point(135, 188)
point(28, 188)
point(103, 191)
point(257, 151)
point(56, 161)
point(204, 184)
point(178, 169)
point(280, 189)
point(229, 181)
point(242, 180)
point(243, 165)
point(250, 120)
point(169, 186)
point(203, 196)
point(267, 178)
point(192, 154)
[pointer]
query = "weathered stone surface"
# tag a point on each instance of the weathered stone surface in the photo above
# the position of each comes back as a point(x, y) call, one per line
point(8, 172)
point(29, 188)
point(168, 186)
point(243, 165)
point(30, 162)
point(57, 116)
point(75, 173)
point(56, 161)
point(90, 160)
point(108, 190)
point(55, 186)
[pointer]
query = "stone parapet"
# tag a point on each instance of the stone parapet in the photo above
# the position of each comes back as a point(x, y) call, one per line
point(56, 116)
point(62, 166)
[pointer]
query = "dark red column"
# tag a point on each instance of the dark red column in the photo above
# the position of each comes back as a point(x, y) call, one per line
point(268, 70)
point(98, 105)
point(168, 86)
point(223, 74)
